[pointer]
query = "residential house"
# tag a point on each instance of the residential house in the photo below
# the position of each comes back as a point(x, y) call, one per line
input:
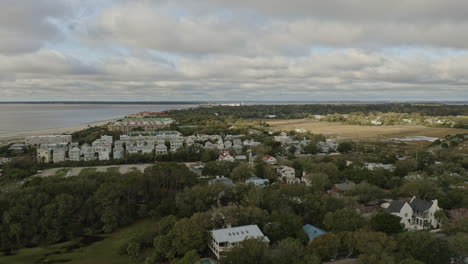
point(104, 154)
point(257, 181)
point(340, 188)
point(176, 143)
point(17, 147)
point(330, 145)
point(227, 144)
point(373, 166)
point(226, 157)
point(4, 160)
point(222, 180)
point(270, 160)
point(44, 154)
point(147, 124)
point(103, 147)
point(223, 240)
point(208, 145)
point(47, 139)
point(313, 231)
point(288, 174)
point(58, 155)
point(119, 151)
point(416, 214)
point(74, 154)
point(283, 138)
point(161, 148)
point(241, 158)
point(88, 153)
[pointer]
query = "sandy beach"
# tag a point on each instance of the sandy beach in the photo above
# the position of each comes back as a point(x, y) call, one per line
point(18, 136)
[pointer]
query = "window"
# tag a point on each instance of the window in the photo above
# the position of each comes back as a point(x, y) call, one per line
point(406, 214)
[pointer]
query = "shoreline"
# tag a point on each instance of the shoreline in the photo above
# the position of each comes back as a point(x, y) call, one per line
point(18, 136)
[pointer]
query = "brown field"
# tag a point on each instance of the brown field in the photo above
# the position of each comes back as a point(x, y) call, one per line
point(356, 131)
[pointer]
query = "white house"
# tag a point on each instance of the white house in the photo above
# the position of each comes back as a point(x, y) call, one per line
point(330, 145)
point(74, 154)
point(226, 157)
point(44, 154)
point(161, 148)
point(373, 166)
point(104, 154)
point(88, 153)
point(223, 240)
point(270, 160)
point(58, 155)
point(176, 143)
point(118, 152)
point(416, 214)
point(288, 174)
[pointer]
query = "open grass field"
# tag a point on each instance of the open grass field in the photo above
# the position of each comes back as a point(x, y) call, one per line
point(104, 249)
point(362, 132)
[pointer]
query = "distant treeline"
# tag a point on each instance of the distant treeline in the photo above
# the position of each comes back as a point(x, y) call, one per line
point(305, 110)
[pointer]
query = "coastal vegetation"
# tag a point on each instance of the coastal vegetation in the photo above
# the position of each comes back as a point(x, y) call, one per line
point(165, 211)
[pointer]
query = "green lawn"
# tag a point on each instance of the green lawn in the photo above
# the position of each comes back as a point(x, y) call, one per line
point(104, 251)
point(87, 171)
point(113, 170)
point(62, 172)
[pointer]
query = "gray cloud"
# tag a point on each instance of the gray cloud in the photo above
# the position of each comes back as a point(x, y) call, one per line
point(25, 26)
point(350, 71)
point(246, 50)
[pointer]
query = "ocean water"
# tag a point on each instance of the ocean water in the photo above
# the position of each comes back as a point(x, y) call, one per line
point(30, 117)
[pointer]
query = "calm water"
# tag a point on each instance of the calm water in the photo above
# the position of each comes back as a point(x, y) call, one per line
point(26, 117)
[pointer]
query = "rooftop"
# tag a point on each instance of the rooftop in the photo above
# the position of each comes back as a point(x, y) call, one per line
point(238, 234)
point(312, 231)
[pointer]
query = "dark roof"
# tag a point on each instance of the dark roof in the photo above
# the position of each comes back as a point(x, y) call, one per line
point(395, 206)
point(420, 205)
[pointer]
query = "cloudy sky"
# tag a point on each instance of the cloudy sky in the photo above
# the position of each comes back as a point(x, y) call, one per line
point(233, 50)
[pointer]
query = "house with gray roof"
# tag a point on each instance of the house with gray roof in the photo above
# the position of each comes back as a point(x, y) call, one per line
point(257, 181)
point(223, 240)
point(340, 188)
point(416, 214)
point(222, 180)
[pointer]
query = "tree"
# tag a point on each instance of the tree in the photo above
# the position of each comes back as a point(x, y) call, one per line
point(242, 172)
point(411, 261)
point(190, 257)
point(250, 251)
point(375, 247)
point(191, 233)
point(365, 192)
point(311, 148)
point(386, 223)
point(319, 182)
point(288, 251)
point(459, 244)
point(423, 246)
point(326, 246)
point(424, 189)
point(345, 147)
point(282, 225)
point(343, 220)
